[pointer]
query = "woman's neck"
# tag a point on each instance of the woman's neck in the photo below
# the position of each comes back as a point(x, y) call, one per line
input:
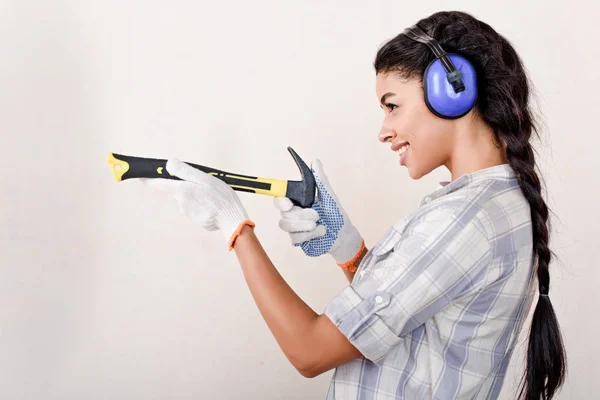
point(475, 148)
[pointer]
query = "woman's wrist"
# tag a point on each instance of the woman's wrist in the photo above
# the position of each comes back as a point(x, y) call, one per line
point(354, 263)
point(243, 229)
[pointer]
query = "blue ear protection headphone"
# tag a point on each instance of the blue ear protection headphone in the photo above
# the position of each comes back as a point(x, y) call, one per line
point(449, 81)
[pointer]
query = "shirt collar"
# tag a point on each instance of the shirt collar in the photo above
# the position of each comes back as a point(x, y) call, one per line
point(502, 171)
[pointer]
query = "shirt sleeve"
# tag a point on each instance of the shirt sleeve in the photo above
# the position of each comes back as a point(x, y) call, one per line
point(412, 276)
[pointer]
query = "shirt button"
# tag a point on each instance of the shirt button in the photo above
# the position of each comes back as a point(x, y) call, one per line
point(378, 299)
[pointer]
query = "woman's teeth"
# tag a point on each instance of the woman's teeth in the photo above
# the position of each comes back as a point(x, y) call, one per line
point(402, 149)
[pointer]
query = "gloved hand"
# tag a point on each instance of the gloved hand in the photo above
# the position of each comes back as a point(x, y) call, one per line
point(323, 228)
point(204, 199)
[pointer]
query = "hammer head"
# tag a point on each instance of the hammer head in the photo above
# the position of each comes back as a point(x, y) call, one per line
point(302, 193)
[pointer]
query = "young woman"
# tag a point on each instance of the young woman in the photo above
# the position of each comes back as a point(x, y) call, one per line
point(434, 309)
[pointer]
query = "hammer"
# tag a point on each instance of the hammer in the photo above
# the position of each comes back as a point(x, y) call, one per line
point(302, 193)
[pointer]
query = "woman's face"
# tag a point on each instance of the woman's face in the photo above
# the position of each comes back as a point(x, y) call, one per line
point(424, 141)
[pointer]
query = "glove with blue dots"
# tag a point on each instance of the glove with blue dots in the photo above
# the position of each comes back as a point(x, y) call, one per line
point(323, 228)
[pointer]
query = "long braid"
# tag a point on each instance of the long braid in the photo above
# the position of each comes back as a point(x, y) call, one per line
point(545, 339)
point(523, 163)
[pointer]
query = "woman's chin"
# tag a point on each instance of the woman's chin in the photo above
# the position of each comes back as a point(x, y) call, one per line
point(415, 173)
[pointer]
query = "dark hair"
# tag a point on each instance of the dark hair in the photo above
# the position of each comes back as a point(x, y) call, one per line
point(503, 103)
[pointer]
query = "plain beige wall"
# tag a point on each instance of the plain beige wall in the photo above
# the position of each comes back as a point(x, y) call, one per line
point(107, 292)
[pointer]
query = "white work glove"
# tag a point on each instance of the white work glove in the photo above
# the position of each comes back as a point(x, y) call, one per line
point(204, 199)
point(323, 228)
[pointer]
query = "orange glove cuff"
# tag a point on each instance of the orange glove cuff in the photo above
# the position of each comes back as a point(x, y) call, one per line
point(352, 265)
point(238, 231)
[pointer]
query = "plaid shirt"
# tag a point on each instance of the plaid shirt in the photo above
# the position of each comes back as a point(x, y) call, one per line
point(437, 304)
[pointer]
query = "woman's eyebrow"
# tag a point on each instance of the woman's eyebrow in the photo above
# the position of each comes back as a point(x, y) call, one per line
point(385, 96)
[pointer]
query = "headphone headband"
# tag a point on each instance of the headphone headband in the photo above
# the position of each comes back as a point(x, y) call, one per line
point(454, 76)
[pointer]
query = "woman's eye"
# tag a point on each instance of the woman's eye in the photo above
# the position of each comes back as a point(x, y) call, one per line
point(391, 107)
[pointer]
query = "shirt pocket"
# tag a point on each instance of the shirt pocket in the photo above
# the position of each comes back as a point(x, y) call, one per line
point(390, 239)
point(387, 243)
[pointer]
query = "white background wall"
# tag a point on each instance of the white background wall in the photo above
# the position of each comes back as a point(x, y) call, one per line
point(107, 292)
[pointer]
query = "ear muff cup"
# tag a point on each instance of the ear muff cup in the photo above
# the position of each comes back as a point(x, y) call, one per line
point(439, 93)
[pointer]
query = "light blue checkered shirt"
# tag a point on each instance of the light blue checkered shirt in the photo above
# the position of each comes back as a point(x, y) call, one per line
point(437, 304)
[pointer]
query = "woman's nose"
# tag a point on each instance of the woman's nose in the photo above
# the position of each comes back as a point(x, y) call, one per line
point(386, 134)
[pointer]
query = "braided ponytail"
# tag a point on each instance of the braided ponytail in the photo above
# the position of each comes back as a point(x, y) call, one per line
point(545, 353)
point(503, 103)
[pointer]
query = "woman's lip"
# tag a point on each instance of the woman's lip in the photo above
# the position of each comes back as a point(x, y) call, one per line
point(398, 146)
point(403, 157)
